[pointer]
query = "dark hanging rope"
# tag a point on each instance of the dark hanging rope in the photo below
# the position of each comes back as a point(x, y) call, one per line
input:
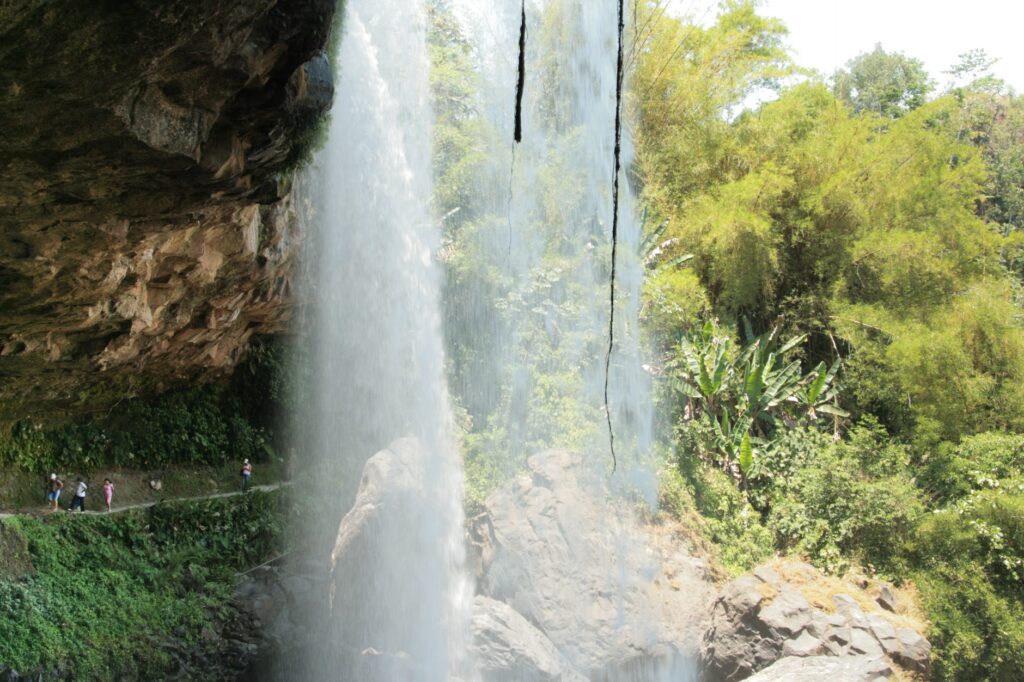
point(615, 237)
point(517, 135)
point(521, 83)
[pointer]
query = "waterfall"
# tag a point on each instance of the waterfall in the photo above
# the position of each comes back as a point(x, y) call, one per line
point(541, 216)
point(399, 609)
point(528, 337)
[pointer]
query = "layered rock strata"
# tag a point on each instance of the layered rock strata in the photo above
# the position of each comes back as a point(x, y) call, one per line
point(145, 232)
point(761, 619)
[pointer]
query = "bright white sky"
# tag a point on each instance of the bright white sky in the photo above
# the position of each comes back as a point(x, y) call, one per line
point(825, 34)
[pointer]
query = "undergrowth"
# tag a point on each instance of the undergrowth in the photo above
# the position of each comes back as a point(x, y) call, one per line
point(109, 593)
point(203, 425)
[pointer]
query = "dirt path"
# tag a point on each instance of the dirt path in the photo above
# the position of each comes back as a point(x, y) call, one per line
point(143, 505)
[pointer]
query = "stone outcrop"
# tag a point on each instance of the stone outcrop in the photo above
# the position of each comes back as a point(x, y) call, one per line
point(510, 649)
point(585, 572)
point(145, 233)
point(8, 674)
point(275, 604)
point(760, 619)
point(828, 668)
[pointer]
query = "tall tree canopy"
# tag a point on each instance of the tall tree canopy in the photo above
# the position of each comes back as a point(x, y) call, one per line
point(885, 83)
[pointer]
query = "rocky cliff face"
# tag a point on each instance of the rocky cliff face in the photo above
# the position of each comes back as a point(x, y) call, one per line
point(145, 224)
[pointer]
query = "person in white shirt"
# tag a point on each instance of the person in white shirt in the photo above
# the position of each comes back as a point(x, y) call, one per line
point(79, 500)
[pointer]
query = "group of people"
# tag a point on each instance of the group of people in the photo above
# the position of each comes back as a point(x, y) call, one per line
point(56, 486)
point(81, 491)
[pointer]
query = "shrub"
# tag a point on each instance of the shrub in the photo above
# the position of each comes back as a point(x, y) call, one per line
point(976, 463)
point(109, 591)
point(853, 500)
point(977, 633)
point(731, 522)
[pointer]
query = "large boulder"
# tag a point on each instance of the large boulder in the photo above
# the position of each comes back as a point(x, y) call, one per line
point(761, 618)
point(509, 649)
point(830, 668)
point(395, 600)
point(555, 547)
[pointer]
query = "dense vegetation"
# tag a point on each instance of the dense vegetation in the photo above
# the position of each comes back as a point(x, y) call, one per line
point(521, 281)
point(208, 424)
point(832, 303)
point(108, 597)
point(837, 312)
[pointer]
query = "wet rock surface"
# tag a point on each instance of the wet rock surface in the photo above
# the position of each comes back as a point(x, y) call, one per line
point(510, 649)
point(8, 674)
point(144, 234)
point(762, 619)
point(825, 668)
point(584, 571)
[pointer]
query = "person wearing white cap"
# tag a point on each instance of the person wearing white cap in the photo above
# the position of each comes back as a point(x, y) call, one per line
point(246, 474)
point(56, 485)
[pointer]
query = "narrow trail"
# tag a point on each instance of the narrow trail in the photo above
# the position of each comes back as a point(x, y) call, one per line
point(142, 505)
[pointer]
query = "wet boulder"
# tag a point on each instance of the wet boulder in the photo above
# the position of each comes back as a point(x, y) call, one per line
point(509, 649)
point(557, 548)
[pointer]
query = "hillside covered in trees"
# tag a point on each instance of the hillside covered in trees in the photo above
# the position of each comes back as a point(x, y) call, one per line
point(835, 308)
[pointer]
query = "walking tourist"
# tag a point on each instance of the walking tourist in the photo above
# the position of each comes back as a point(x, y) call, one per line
point(78, 502)
point(108, 492)
point(246, 475)
point(56, 485)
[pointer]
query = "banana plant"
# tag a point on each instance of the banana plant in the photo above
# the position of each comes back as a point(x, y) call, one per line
point(730, 434)
point(742, 394)
point(708, 367)
point(653, 247)
point(768, 379)
point(818, 394)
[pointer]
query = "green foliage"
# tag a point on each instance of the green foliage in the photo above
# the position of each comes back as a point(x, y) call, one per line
point(976, 634)
point(674, 300)
point(888, 84)
point(982, 462)
point(872, 226)
point(969, 557)
point(686, 81)
point(206, 425)
point(852, 500)
point(743, 395)
point(961, 369)
point(109, 591)
point(727, 518)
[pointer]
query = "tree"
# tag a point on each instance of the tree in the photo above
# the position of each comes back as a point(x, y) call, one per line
point(685, 81)
point(886, 83)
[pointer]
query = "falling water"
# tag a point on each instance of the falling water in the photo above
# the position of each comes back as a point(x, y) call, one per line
point(397, 600)
point(541, 214)
point(533, 355)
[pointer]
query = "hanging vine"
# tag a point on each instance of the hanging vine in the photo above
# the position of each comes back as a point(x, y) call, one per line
point(615, 234)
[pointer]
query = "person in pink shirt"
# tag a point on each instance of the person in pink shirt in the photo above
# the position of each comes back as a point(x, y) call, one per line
point(108, 492)
point(246, 475)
